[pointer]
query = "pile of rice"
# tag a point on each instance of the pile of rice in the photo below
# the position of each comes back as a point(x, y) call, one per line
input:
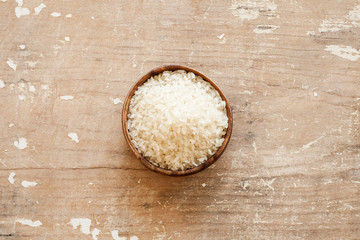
point(177, 120)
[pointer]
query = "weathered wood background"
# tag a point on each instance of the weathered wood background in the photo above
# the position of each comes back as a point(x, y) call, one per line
point(290, 70)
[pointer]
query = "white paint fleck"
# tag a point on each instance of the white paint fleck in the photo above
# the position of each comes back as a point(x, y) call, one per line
point(244, 12)
point(2, 84)
point(315, 94)
point(68, 15)
point(28, 184)
point(254, 146)
point(11, 177)
point(3, 0)
point(354, 14)
point(134, 65)
point(267, 183)
point(223, 40)
point(163, 235)
point(284, 119)
point(95, 233)
point(19, 2)
point(115, 235)
point(245, 185)
point(55, 14)
point(22, 46)
point(66, 97)
point(117, 101)
point(21, 143)
point(246, 92)
point(32, 88)
point(203, 185)
point(92, 18)
point(260, 29)
point(257, 219)
point(39, 8)
point(306, 146)
point(29, 222)
point(11, 125)
point(310, 33)
point(90, 183)
point(2, 161)
point(352, 19)
point(74, 137)
point(221, 36)
point(67, 39)
point(334, 25)
point(134, 238)
point(84, 224)
point(249, 10)
point(329, 181)
point(346, 52)
point(11, 64)
point(31, 64)
point(21, 97)
point(20, 11)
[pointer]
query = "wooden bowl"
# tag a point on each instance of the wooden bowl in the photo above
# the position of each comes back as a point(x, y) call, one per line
point(147, 163)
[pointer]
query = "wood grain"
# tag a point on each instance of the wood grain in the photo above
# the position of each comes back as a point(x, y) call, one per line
point(290, 171)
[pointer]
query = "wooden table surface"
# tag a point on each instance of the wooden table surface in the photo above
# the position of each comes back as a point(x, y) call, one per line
point(290, 70)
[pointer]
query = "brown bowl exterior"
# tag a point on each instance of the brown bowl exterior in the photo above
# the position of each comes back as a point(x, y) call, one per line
point(147, 163)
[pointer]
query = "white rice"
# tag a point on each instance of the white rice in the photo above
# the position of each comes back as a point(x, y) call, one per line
point(177, 120)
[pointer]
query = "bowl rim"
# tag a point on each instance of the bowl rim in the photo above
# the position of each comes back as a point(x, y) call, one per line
point(146, 162)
